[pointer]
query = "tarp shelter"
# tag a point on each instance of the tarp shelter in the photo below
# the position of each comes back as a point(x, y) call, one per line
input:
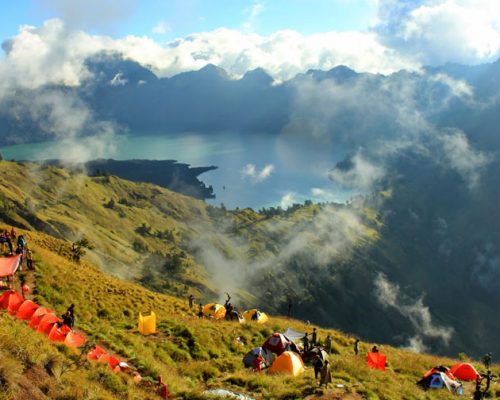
point(287, 363)
point(277, 343)
point(216, 311)
point(11, 301)
point(252, 354)
point(26, 310)
point(74, 339)
point(464, 372)
point(377, 360)
point(255, 315)
point(147, 324)
point(37, 316)
point(294, 335)
point(46, 323)
point(9, 265)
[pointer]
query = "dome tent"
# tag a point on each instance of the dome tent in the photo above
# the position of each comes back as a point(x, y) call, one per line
point(288, 363)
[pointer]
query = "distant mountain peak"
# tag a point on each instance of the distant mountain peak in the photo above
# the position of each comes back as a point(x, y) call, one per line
point(258, 75)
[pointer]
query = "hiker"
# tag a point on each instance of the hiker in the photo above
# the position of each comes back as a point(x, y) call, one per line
point(375, 349)
point(229, 311)
point(69, 316)
point(29, 259)
point(326, 374)
point(25, 289)
point(191, 299)
point(13, 233)
point(356, 346)
point(21, 241)
point(305, 340)
point(258, 362)
point(3, 240)
point(200, 311)
point(328, 344)
point(9, 242)
point(162, 388)
point(314, 338)
point(318, 366)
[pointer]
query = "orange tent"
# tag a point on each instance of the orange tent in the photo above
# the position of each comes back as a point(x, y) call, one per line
point(464, 372)
point(9, 265)
point(37, 316)
point(58, 334)
point(288, 363)
point(26, 310)
point(46, 323)
point(377, 361)
point(95, 353)
point(11, 300)
point(107, 358)
point(74, 339)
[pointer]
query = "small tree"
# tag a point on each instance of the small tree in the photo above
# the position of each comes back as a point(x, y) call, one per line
point(78, 249)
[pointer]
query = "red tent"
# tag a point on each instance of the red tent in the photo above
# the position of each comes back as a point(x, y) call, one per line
point(11, 301)
point(74, 339)
point(464, 372)
point(9, 265)
point(276, 343)
point(96, 353)
point(107, 358)
point(47, 322)
point(26, 310)
point(37, 316)
point(437, 370)
point(58, 334)
point(377, 361)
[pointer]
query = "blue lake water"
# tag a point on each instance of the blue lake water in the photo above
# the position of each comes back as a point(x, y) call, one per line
point(299, 170)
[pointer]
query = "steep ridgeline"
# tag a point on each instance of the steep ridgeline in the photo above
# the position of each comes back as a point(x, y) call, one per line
point(380, 267)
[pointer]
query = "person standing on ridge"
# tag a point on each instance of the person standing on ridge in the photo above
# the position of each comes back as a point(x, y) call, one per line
point(356, 346)
point(326, 375)
point(200, 310)
point(328, 344)
point(29, 259)
point(305, 340)
point(191, 300)
point(318, 366)
point(314, 338)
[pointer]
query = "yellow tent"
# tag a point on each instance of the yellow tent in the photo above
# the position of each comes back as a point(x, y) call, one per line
point(217, 311)
point(288, 363)
point(255, 315)
point(147, 324)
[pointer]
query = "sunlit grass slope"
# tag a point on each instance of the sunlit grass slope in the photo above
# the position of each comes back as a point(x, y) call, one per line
point(191, 354)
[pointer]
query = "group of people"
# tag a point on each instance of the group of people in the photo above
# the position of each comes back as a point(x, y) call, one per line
point(10, 238)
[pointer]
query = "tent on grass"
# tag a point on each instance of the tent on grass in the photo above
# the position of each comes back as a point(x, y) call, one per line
point(9, 265)
point(377, 360)
point(252, 354)
point(47, 322)
point(147, 324)
point(11, 301)
point(464, 372)
point(277, 343)
point(288, 363)
point(255, 315)
point(440, 378)
point(59, 333)
point(216, 311)
point(95, 353)
point(74, 339)
point(37, 316)
point(26, 310)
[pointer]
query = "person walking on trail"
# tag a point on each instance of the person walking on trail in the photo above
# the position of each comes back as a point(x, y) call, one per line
point(326, 374)
point(318, 366)
point(305, 340)
point(314, 338)
point(69, 316)
point(356, 346)
point(191, 300)
point(328, 344)
point(200, 310)
point(29, 259)
point(162, 388)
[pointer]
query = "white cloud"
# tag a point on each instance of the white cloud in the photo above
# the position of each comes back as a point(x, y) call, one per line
point(389, 295)
point(250, 171)
point(118, 80)
point(161, 28)
point(361, 174)
point(324, 195)
point(253, 12)
point(287, 200)
point(440, 31)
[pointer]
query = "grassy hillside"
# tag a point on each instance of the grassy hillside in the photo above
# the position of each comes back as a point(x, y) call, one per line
point(191, 354)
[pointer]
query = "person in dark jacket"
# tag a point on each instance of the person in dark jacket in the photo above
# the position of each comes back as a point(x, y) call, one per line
point(191, 300)
point(305, 340)
point(314, 338)
point(326, 374)
point(318, 366)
